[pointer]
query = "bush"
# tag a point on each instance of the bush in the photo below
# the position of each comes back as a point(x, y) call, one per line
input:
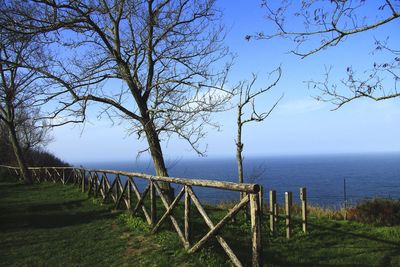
point(378, 211)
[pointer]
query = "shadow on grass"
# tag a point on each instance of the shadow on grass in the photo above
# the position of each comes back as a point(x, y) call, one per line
point(52, 216)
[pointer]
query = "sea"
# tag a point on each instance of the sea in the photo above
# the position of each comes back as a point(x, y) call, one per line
point(330, 180)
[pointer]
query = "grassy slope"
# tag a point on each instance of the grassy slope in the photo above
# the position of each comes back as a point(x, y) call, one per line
point(54, 225)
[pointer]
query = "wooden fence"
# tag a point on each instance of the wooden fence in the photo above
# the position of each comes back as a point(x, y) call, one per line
point(97, 182)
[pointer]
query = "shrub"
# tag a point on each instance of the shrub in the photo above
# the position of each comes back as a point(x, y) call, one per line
point(377, 211)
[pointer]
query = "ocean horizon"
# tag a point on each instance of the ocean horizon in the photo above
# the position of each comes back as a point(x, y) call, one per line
point(366, 175)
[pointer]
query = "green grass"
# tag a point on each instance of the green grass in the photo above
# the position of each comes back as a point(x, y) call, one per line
point(54, 225)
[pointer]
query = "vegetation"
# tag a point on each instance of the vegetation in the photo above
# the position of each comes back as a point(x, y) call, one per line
point(50, 224)
point(376, 211)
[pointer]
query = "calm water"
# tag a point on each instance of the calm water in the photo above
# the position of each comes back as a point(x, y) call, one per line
point(366, 175)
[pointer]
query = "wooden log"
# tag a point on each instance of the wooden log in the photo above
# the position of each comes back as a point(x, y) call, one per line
point(153, 207)
point(138, 195)
point(90, 182)
point(100, 186)
point(303, 197)
point(272, 215)
point(70, 175)
point(83, 181)
point(172, 218)
point(121, 196)
point(219, 225)
point(187, 228)
point(129, 204)
point(139, 204)
point(95, 184)
point(210, 224)
point(288, 211)
point(169, 210)
point(110, 189)
point(243, 187)
point(255, 215)
point(104, 186)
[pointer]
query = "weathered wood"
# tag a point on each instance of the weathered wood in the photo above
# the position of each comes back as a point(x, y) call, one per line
point(210, 224)
point(90, 182)
point(172, 218)
point(55, 172)
point(95, 184)
point(138, 195)
point(169, 210)
point(272, 214)
point(99, 185)
point(255, 216)
point(129, 203)
point(153, 207)
point(121, 196)
point(303, 197)
point(83, 180)
point(219, 225)
point(139, 204)
point(288, 211)
point(67, 178)
point(245, 187)
point(110, 189)
point(187, 226)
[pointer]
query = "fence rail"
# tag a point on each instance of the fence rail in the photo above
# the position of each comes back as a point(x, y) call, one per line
point(97, 183)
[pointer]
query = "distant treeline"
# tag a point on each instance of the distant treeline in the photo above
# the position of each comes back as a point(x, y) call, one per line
point(34, 157)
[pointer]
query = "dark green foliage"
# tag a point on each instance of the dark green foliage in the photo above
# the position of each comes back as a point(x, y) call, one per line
point(377, 211)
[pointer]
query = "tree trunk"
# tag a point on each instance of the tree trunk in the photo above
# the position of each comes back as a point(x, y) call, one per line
point(157, 156)
point(239, 148)
point(19, 155)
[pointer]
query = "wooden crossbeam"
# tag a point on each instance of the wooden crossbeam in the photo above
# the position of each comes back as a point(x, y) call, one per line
point(100, 187)
point(210, 224)
point(121, 196)
point(173, 220)
point(139, 204)
point(138, 196)
point(71, 174)
point(58, 174)
point(213, 231)
point(169, 210)
point(110, 188)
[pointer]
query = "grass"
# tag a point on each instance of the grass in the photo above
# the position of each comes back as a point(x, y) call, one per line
point(54, 225)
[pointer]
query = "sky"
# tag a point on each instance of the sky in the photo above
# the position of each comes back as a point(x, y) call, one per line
point(299, 125)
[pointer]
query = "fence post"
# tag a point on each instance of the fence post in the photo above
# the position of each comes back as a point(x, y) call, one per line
point(83, 180)
point(187, 216)
point(256, 229)
point(153, 208)
point(288, 210)
point(303, 197)
point(129, 194)
point(261, 199)
point(272, 214)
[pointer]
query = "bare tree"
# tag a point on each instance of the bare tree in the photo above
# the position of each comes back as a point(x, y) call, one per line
point(317, 25)
point(151, 63)
point(19, 89)
point(247, 98)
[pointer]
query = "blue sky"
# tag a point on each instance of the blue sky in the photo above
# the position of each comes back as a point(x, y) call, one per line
point(299, 125)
